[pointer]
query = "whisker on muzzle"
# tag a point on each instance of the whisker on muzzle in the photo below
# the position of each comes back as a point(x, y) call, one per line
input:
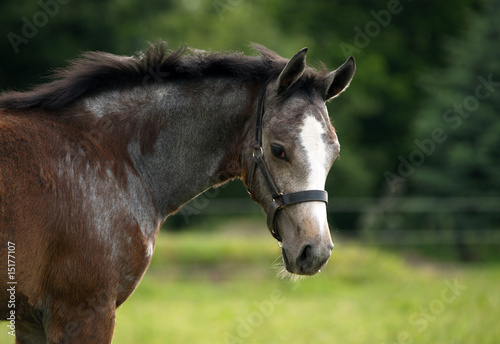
point(282, 272)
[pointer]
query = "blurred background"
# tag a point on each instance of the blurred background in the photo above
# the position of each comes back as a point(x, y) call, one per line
point(414, 198)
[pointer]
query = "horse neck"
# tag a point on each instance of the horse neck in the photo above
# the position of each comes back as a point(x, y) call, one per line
point(200, 130)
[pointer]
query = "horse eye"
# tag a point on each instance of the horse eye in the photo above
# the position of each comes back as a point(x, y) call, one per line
point(278, 151)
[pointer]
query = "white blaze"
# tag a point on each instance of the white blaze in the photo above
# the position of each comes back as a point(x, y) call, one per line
point(316, 154)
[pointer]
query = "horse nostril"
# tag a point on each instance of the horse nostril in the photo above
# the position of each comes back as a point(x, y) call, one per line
point(304, 257)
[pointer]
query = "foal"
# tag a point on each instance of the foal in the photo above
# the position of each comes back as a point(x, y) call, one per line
point(93, 162)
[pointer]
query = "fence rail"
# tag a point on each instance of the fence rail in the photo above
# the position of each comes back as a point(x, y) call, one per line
point(245, 206)
point(371, 208)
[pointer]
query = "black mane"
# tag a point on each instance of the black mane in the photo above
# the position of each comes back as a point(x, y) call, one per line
point(95, 72)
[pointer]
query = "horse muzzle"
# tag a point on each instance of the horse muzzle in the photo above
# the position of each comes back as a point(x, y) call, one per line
point(308, 259)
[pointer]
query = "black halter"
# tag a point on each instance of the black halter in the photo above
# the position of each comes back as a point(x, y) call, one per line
point(280, 200)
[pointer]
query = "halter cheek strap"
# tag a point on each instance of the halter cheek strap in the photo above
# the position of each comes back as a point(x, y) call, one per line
point(280, 200)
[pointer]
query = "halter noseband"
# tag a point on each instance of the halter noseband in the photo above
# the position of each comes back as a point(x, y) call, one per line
point(280, 200)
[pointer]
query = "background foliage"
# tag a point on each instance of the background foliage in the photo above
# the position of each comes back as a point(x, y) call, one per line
point(415, 60)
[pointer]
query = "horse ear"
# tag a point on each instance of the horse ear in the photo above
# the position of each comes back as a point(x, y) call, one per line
point(337, 81)
point(292, 71)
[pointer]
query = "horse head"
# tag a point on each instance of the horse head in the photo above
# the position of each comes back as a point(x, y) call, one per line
point(294, 147)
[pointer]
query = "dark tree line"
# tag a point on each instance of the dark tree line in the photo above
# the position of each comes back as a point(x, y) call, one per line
point(414, 104)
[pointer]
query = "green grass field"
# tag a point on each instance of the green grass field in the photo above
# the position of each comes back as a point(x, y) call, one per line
point(221, 287)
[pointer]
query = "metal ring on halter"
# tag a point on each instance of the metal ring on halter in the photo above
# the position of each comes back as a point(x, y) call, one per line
point(259, 151)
